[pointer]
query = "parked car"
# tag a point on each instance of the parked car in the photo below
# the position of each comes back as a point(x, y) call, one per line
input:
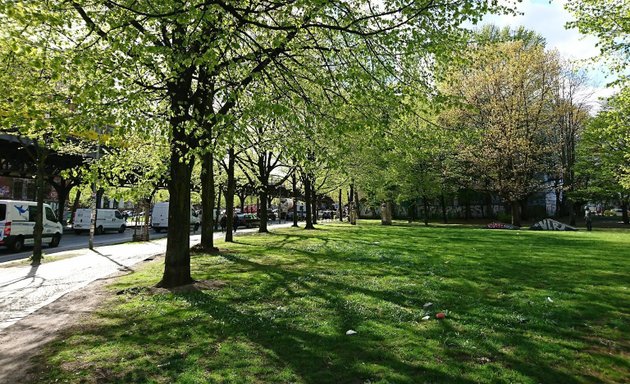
point(248, 220)
point(106, 220)
point(159, 218)
point(17, 224)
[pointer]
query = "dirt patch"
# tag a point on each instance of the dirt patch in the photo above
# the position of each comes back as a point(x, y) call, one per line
point(201, 285)
point(23, 340)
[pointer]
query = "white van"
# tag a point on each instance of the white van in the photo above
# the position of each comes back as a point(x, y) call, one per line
point(17, 224)
point(106, 219)
point(159, 218)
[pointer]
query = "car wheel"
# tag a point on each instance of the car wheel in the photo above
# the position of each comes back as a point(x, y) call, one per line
point(78, 231)
point(18, 244)
point(99, 230)
point(122, 229)
point(54, 242)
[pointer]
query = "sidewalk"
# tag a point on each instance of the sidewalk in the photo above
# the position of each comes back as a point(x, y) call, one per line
point(25, 289)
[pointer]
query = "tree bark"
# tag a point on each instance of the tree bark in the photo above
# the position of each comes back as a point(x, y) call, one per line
point(411, 212)
point(295, 200)
point(218, 210)
point(574, 207)
point(340, 206)
point(75, 205)
point(99, 198)
point(309, 206)
point(314, 202)
point(425, 202)
point(490, 211)
point(241, 199)
point(63, 189)
point(263, 213)
point(38, 230)
point(624, 212)
point(207, 202)
point(524, 210)
point(177, 257)
point(516, 216)
point(386, 213)
point(229, 197)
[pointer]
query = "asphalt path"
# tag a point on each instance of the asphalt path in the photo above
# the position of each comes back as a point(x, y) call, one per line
point(24, 288)
point(71, 241)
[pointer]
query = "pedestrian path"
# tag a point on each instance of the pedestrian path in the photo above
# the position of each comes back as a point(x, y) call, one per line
point(24, 289)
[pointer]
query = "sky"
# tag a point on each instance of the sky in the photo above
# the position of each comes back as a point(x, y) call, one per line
point(549, 19)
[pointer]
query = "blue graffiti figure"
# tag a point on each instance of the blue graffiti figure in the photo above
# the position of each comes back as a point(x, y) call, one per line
point(21, 209)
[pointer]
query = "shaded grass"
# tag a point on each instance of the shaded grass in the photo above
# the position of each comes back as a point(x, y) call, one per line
point(291, 296)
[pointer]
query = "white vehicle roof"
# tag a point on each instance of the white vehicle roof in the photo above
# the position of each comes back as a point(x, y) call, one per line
point(5, 201)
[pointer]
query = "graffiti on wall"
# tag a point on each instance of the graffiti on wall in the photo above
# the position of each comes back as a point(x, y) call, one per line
point(551, 225)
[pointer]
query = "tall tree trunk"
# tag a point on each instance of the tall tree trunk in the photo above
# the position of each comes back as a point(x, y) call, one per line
point(524, 211)
point(99, 198)
point(340, 207)
point(62, 197)
point(467, 208)
point(207, 202)
point(218, 210)
point(177, 259)
point(425, 202)
point(147, 217)
point(411, 212)
point(75, 204)
point(229, 196)
point(314, 202)
point(573, 209)
point(263, 213)
point(63, 190)
point(309, 205)
point(386, 213)
point(489, 210)
point(241, 199)
point(38, 230)
point(295, 200)
point(443, 203)
point(558, 206)
point(516, 214)
point(351, 192)
point(624, 212)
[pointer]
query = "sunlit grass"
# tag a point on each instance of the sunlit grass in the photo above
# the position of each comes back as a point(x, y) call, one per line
point(523, 306)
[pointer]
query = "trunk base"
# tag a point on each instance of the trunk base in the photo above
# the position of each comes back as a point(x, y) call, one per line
point(172, 283)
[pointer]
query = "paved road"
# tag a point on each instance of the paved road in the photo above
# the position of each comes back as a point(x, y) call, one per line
point(25, 289)
point(71, 241)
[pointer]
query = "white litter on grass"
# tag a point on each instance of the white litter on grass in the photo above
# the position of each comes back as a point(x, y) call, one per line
point(426, 318)
point(350, 332)
point(549, 299)
point(427, 305)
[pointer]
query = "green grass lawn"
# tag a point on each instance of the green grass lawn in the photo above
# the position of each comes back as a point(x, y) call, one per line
point(523, 307)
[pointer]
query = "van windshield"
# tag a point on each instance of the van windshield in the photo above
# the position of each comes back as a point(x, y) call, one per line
point(3, 211)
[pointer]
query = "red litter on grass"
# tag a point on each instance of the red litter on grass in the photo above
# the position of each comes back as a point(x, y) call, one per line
point(440, 315)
